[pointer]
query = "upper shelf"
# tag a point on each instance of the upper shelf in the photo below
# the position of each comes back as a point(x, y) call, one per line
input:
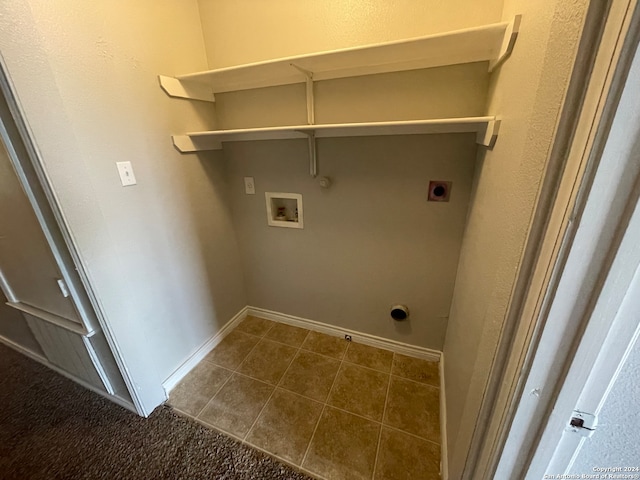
point(485, 128)
point(485, 43)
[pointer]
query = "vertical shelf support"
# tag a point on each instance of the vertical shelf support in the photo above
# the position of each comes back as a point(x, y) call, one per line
point(488, 135)
point(313, 159)
point(508, 42)
point(311, 120)
point(313, 154)
point(311, 112)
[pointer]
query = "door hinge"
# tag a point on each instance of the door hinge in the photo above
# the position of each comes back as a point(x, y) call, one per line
point(63, 287)
point(582, 423)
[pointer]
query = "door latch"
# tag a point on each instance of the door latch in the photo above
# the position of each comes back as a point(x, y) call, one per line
point(582, 423)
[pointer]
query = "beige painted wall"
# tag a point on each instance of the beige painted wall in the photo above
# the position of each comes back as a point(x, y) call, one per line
point(244, 31)
point(369, 241)
point(527, 92)
point(86, 74)
point(453, 91)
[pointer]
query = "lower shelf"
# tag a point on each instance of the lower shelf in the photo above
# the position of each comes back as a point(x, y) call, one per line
point(486, 129)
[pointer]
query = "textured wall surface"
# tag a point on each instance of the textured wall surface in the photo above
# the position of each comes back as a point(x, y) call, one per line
point(86, 74)
point(527, 92)
point(370, 241)
point(245, 31)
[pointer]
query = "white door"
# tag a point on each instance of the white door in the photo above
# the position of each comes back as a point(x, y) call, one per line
point(615, 441)
point(30, 274)
point(612, 211)
point(584, 320)
point(607, 403)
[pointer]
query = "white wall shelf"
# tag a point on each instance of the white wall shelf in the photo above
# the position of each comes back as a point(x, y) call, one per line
point(486, 129)
point(491, 43)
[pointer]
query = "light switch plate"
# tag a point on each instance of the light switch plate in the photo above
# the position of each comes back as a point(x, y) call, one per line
point(126, 173)
point(249, 186)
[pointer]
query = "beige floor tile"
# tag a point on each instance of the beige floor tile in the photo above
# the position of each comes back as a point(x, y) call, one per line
point(285, 426)
point(404, 457)
point(325, 345)
point(268, 361)
point(236, 406)
point(310, 375)
point(198, 387)
point(288, 334)
point(371, 357)
point(360, 390)
point(343, 447)
point(416, 369)
point(414, 408)
point(232, 350)
point(255, 326)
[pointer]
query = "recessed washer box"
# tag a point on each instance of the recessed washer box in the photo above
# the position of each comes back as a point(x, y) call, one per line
point(284, 209)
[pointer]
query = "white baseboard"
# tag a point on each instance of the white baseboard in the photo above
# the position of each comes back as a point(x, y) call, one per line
point(23, 350)
point(365, 338)
point(444, 457)
point(195, 358)
point(44, 361)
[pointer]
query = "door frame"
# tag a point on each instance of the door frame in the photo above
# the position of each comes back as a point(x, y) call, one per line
point(27, 161)
point(604, 57)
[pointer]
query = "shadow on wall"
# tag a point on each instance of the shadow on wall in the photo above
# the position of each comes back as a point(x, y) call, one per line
point(207, 195)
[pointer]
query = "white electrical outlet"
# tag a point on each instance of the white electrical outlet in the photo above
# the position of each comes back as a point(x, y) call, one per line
point(249, 186)
point(126, 173)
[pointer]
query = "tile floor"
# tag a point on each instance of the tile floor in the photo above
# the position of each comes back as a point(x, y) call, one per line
point(333, 409)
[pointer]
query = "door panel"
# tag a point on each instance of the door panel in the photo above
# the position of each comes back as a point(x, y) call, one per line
point(613, 444)
point(28, 266)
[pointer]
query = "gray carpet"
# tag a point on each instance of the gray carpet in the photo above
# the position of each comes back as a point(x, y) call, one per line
point(51, 428)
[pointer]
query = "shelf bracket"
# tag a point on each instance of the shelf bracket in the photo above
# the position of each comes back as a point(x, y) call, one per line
point(313, 157)
point(488, 135)
point(311, 113)
point(508, 42)
point(313, 153)
point(181, 89)
point(187, 144)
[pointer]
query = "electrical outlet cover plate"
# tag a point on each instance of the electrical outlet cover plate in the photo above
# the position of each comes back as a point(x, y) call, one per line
point(249, 186)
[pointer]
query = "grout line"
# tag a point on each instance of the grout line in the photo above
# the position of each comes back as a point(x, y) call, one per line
point(384, 412)
point(275, 387)
point(234, 371)
point(216, 392)
point(390, 427)
point(214, 395)
point(368, 368)
point(415, 381)
point(324, 408)
point(304, 397)
point(322, 354)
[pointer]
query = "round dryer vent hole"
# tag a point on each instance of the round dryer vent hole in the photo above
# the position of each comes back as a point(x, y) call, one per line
point(399, 312)
point(439, 191)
